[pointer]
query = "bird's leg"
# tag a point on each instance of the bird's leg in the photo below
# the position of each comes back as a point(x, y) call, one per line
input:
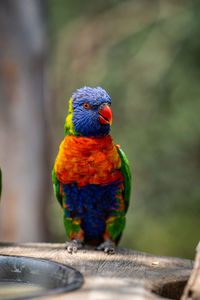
point(73, 246)
point(76, 241)
point(108, 246)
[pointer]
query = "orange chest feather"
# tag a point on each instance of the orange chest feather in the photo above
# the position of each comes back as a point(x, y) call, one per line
point(88, 160)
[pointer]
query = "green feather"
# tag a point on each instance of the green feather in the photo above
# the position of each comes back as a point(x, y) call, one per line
point(69, 127)
point(116, 225)
point(56, 187)
point(126, 172)
point(71, 226)
point(0, 182)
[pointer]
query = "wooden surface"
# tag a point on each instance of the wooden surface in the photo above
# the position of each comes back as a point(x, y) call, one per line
point(125, 275)
point(192, 290)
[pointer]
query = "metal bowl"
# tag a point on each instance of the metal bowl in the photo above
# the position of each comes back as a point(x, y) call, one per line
point(49, 277)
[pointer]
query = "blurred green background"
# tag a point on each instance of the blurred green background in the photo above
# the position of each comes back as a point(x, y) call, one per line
point(146, 54)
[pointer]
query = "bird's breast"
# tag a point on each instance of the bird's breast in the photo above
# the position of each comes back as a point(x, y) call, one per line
point(88, 160)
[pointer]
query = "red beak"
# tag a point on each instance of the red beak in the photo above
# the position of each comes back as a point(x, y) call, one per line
point(105, 115)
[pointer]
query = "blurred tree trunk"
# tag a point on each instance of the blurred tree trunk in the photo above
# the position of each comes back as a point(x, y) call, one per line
point(23, 134)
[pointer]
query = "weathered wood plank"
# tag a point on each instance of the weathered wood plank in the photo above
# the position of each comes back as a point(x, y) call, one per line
point(126, 274)
point(192, 290)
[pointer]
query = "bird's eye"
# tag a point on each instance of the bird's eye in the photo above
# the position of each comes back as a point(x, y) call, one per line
point(86, 105)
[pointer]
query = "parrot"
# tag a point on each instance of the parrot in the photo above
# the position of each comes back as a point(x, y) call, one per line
point(91, 175)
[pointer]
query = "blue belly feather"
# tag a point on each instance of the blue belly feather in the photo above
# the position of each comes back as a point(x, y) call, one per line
point(93, 204)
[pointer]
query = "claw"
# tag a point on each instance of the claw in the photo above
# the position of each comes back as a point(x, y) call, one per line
point(73, 246)
point(75, 249)
point(108, 246)
point(109, 250)
point(69, 249)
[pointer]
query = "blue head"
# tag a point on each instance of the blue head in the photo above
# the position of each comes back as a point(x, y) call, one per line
point(89, 112)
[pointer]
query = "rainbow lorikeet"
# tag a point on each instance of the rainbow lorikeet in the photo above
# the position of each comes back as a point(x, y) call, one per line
point(91, 176)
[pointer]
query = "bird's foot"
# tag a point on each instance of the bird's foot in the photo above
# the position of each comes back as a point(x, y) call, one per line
point(108, 246)
point(73, 246)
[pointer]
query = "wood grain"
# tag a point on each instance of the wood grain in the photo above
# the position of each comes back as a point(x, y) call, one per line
point(126, 275)
point(192, 290)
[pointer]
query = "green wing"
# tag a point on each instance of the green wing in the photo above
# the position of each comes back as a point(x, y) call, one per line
point(71, 225)
point(126, 172)
point(0, 182)
point(56, 187)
